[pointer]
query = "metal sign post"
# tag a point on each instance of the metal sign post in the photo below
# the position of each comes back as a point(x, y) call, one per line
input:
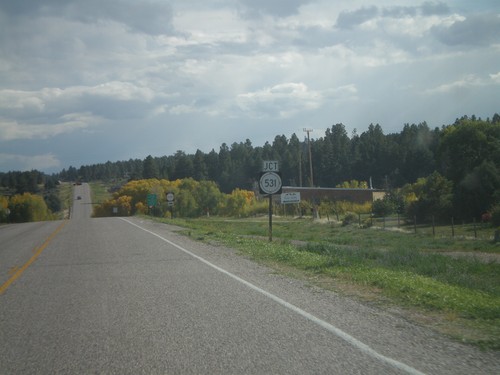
point(170, 203)
point(270, 183)
point(270, 218)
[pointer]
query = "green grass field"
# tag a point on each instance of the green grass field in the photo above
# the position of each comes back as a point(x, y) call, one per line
point(449, 283)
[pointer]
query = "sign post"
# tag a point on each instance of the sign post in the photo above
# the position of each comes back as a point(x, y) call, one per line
point(151, 202)
point(270, 183)
point(170, 203)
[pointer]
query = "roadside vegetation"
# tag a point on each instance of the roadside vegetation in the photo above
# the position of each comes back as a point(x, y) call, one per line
point(99, 191)
point(442, 282)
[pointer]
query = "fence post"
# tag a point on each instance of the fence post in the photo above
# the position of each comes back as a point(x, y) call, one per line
point(475, 229)
point(452, 227)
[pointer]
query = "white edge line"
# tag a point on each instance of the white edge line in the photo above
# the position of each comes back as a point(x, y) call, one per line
point(329, 327)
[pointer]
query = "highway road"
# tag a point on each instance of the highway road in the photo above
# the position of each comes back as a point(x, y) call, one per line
point(130, 296)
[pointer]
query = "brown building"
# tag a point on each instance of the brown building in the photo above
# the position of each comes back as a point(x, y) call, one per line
point(336, 194)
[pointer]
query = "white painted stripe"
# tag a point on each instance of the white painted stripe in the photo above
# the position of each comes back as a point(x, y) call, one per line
point(329, 327)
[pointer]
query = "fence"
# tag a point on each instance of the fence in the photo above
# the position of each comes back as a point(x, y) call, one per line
point(452, 228)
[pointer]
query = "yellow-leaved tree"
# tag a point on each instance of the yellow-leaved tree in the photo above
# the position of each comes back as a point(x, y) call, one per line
point(28, 207)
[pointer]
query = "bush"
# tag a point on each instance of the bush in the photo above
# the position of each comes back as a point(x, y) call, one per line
point(383, 207)
point(495, 215)
point(350, 218)
point(28, 207)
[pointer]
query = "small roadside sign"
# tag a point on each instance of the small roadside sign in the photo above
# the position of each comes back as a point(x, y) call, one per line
point(292, 197)
point(270, 166)
point(170, 197)
point(270, 183)
point(151, 200)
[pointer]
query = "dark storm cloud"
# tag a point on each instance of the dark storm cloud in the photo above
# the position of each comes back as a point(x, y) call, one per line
point(478, 30)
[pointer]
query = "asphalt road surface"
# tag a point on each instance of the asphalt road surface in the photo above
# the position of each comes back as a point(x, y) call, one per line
point(129, 296)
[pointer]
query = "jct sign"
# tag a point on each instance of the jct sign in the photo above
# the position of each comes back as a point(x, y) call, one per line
point(270, 166)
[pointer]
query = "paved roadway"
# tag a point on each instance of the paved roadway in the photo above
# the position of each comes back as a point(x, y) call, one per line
point(127, 296)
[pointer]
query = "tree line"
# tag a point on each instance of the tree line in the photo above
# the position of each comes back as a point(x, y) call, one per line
point(466, 154)
point(462, 158)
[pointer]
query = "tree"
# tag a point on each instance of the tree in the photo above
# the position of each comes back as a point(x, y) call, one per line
point(208, 197)
point(478, 191)
point(4, 209)
point(465, 145)
point(353, 184)
point(53, 202)
point(28, 207)
point(415, 152)
point(199, 166)
point(335, 163)
point(434, 196)
point(150, 168)
point(183, 166)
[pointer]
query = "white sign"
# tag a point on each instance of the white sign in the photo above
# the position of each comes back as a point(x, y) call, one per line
point(270, 183)
point(170, 197)
point(290, 198)
point(270, 166)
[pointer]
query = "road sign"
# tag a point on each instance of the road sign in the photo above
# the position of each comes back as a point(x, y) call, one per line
point(170, 197)
point(270, 166)
point(151, 200)
point(270, 183)
point(293, 197)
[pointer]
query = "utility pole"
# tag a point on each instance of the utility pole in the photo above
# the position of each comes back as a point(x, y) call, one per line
point(310, 157)
point(311, 183)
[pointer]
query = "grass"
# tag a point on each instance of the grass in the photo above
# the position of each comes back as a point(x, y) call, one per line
point(413, 272)
point(65, 192)
point(99, 192)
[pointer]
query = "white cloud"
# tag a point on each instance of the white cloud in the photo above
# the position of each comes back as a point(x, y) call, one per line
point(282, 100)
point(25, 162)
point(123, 68)
point(68, 123)
point(468, 81)
point(495, 77)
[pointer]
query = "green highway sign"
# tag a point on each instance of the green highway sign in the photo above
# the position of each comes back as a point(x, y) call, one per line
point(151, 200)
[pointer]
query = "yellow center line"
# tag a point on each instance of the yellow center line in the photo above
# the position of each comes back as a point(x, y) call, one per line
point(38, 251)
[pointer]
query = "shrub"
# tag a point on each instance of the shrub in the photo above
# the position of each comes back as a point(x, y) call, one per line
point(350, 218)
point(495, 215)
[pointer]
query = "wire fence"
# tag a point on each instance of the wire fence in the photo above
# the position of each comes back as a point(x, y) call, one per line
point(444, 228)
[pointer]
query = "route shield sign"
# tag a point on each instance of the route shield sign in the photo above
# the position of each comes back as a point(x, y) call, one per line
point(270, 183)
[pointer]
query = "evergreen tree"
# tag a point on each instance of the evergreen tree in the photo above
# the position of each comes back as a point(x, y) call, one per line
point(150, 168)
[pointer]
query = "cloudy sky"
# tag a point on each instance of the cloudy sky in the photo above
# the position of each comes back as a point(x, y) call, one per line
point(87, 81)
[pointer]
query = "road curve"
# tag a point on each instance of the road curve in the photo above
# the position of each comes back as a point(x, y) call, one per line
point(129, 296)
